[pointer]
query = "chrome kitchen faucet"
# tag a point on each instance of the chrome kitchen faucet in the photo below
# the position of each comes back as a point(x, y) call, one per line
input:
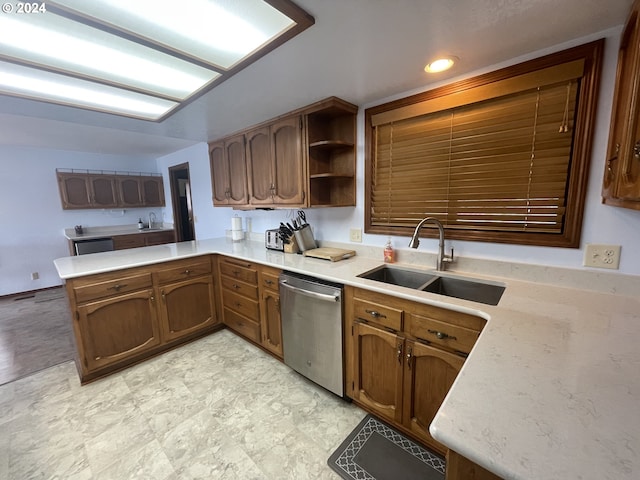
point(442, 257)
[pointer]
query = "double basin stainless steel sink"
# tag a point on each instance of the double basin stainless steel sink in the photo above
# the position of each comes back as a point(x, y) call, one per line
point(481, 291)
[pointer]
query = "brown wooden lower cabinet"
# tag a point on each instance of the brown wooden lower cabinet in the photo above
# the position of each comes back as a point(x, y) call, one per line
point(186, 307)
point(251, 302)
point(402, 358)
point(117, 328)
point(125, 316)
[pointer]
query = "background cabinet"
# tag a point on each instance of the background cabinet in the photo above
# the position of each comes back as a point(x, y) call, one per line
point(621, 183)
point(84, 190)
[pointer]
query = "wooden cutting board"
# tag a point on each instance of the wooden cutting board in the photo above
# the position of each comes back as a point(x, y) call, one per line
point(329, 253)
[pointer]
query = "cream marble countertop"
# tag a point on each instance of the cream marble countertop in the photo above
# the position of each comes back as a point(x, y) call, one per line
point(550, 391)
point(102, 232)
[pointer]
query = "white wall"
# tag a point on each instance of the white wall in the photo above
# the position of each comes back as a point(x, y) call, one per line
point(602, 224)
point(31, 215)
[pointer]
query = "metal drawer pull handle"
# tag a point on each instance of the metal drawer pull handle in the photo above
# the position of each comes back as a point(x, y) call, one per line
point(409, 355)
point(400, 353)
point(117, 287)
point(442, 335)
point(186, 272)
point(235, 285)
point(269, 282)
point(375, 314)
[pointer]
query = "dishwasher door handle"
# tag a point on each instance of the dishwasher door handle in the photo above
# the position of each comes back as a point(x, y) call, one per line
point(319, 296)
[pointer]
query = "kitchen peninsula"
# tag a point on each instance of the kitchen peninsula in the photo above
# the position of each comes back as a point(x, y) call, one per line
point(550, 389)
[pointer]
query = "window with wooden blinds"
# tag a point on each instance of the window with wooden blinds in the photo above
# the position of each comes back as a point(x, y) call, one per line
point(501, 159)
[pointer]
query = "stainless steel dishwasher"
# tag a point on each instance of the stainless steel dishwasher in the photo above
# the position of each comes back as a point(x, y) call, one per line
point(311, 311)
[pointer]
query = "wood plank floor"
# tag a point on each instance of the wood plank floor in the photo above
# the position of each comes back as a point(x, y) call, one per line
point(35, 333)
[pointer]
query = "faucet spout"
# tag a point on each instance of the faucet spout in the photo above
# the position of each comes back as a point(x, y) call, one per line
point(152, 219)
point(415, 241)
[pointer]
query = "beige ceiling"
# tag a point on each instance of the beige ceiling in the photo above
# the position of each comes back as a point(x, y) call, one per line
point(359, 50)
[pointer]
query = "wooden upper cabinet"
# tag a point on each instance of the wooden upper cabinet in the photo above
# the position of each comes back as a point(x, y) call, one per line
point(288, 161)
point(101, 190)
point(260, 167)
point(152, 191)
point(74, 190)
point(130, 194)
point(229, 171)
point(621, 181)
point(302, 159)
point(275, 163)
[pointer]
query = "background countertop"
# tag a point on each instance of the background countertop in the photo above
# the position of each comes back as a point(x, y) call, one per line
point(550, 391)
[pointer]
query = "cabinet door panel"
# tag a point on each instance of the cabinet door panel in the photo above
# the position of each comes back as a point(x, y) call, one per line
point(288, 161)
point(378, 358)
point(187, 307)
point(152, 191)
point(219, 174)
point(119, 327)
point(271, 323)
point(74, 190)
point(103, 191)
point(237, 168)
point(130, 192)
point(259, 166)
point(428, 376)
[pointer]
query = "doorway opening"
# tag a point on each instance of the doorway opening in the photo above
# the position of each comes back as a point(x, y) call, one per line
point(181, 200)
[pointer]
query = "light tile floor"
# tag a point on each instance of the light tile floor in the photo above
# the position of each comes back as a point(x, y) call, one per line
point(218, 408)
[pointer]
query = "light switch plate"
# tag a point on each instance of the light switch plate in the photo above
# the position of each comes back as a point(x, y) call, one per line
point(602, 256)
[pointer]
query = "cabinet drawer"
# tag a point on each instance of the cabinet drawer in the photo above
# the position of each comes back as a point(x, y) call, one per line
point(269, 278)
point(378, 314)
point(241, 288)
point(182, 270)
point(248, 308)
point(121, 242)
point(92, 291)
point(159, 238)
point(242, 325)
point(246, 274)
point(454, 337)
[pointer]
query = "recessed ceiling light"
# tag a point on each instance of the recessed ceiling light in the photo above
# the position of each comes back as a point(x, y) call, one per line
point(440, 65)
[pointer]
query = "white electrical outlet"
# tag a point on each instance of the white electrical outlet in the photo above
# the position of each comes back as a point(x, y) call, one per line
point(355, 235)
point(35, 276)
point(602, 256)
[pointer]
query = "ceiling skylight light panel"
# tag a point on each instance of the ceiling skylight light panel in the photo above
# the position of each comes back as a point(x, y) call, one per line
point(62, 44)
point(219, 32)
point(40, 85)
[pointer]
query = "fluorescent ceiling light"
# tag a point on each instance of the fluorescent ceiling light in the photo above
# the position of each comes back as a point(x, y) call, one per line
point(40, 85)
point(57, 42)
point(141, 57)
point(220, 32)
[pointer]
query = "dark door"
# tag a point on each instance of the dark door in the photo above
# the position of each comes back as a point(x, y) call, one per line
point(181, 200)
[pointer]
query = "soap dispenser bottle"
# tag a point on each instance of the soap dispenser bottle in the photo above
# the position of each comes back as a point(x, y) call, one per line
point(388, 252)
point(140, 224)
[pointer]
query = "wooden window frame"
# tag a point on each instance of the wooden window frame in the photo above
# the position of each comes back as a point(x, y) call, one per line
point(591, 54)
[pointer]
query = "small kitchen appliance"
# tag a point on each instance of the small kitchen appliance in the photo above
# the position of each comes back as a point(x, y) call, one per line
point(273, 241)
